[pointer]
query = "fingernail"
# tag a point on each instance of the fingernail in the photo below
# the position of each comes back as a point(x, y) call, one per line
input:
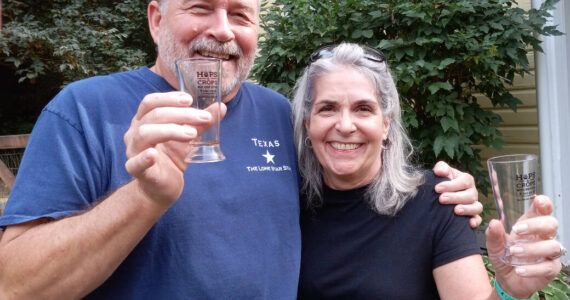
point(438, 188)
point(189, 131)
point(520, 228)
point(204, 117)
point(516, 250)
point(520, 271)
point(460, 210)
point(444, 198)
point(184, 99)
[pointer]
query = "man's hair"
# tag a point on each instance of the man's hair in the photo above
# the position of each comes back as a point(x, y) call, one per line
point(397, 180)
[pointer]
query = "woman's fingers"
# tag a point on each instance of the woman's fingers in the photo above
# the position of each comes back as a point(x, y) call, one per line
point(544, 227)
point(547, 249)
point(545, 269)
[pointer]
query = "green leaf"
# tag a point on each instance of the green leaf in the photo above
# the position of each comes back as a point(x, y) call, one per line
point(450, 145)
point(447, 122)
point(435, 87)
point(446, 62)
point(438, 144)
point(367, 33)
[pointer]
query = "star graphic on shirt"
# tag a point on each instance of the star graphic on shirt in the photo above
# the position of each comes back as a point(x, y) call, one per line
point(269, 157)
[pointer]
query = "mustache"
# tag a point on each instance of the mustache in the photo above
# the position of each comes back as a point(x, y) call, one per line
point(207, 45)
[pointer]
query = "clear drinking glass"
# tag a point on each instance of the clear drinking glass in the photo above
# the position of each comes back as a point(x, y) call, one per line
point(200, 77)
point(514, 180)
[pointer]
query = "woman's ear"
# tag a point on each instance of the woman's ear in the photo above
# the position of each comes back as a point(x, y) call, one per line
point(387, 122)
point(154, 17)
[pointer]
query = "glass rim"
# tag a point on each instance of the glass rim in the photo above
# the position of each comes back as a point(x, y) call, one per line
point(212, 59)
point(511, 158)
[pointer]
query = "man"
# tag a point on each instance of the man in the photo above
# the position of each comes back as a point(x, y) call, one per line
point(83, 223)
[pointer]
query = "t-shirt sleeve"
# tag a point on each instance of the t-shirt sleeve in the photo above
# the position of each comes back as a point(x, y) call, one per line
point(59, 174)
point(453, 237)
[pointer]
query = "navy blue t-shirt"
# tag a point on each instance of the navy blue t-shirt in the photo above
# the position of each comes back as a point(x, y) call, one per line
point(234, 232)
point(351, 252)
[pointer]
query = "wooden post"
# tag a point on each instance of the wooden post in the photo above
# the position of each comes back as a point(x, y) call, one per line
point(11, 142)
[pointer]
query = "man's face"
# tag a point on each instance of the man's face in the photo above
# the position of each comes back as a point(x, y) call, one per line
point(225, 29)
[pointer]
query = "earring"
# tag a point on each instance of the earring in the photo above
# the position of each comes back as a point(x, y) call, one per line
point(308, 143)
point(386, 144)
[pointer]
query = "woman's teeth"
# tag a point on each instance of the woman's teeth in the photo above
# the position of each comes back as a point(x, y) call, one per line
point(340, 146)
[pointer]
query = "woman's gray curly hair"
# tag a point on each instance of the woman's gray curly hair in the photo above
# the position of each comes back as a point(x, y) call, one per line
point(397, 181)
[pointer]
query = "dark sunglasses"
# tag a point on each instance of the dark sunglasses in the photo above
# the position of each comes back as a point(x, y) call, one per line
point(370, 53)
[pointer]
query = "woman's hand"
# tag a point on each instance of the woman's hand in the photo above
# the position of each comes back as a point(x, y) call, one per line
point(523, 281)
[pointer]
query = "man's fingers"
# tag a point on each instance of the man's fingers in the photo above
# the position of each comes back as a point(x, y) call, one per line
point(176, 115)
point(154, 134)
point(470, 209)
point(442, 169)
point(149, 135)
point(466, 197)
point(170, 99)
point(213, 109)
point(459, 181)
point(138, 164)
point(475, 221)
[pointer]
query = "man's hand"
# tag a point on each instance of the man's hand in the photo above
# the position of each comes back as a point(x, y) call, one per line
point(459, 190)
point(158, 141)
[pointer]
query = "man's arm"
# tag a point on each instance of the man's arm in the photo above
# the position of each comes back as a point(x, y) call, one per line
point(70, 257)
point(459, 190)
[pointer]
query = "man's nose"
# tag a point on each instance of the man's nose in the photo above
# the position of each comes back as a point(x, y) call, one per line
point(220, 28)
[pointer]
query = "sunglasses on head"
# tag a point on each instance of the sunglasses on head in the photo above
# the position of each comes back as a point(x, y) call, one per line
point(370, 53)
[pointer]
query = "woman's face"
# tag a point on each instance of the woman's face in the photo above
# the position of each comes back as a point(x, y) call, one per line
point(346, 128)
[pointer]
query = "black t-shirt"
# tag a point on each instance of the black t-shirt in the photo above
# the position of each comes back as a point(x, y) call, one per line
point(351, 252)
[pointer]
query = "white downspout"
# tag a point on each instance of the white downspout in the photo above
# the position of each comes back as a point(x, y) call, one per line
point(553, 84)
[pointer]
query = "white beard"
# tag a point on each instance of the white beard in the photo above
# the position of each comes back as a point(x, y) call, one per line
point(170, 51)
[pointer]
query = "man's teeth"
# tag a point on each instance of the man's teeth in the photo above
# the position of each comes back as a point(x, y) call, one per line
point(340, 146)
point(215, 55)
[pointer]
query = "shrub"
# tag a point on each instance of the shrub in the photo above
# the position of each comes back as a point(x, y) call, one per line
point(442, 54)
point(46, 44)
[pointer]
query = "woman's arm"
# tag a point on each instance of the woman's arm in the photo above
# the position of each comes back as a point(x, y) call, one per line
point(465, 278)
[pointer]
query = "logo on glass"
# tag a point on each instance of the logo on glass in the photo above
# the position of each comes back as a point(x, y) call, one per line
point(525, 186)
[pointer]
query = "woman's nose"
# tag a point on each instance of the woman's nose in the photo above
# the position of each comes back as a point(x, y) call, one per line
point(345, 124)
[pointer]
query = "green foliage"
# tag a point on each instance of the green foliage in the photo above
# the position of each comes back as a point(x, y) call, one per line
point(441, 53)
point(77, 38)
point(47, 44)
point(558, 289)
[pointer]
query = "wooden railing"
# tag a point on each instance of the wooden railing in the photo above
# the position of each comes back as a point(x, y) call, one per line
point(11, 142)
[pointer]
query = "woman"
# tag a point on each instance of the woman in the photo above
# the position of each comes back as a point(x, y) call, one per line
point(372, 226)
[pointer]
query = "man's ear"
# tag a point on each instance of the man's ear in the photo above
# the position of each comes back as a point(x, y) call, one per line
point(154, 17)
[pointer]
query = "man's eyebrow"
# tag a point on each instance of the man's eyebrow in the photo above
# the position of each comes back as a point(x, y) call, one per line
point(245, 5)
